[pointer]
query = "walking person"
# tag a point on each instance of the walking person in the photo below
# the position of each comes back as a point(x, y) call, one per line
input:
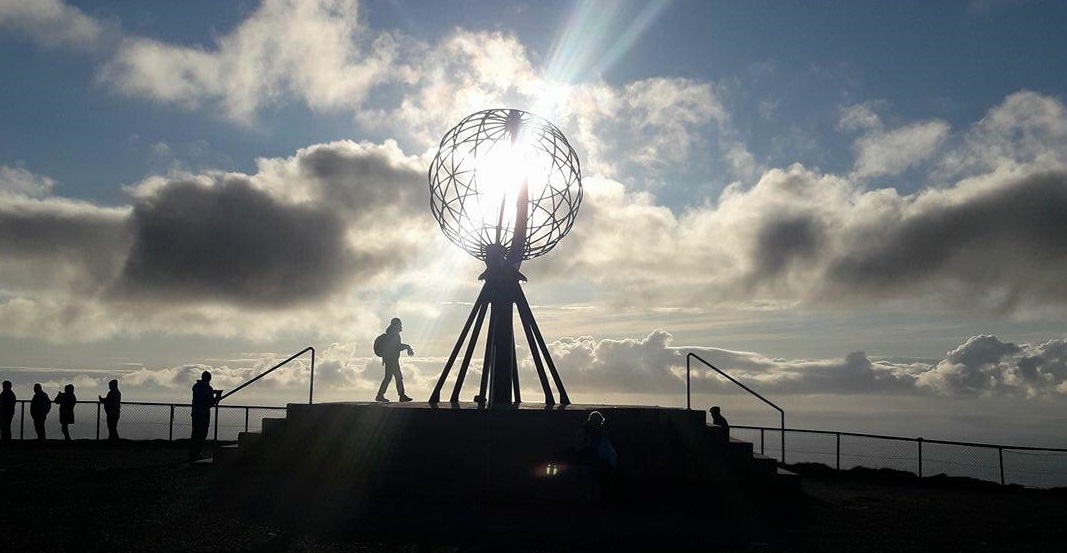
point(66, 401)
point(204, 398)
point(388, 346)
point(7, 411)
point(112, 406)
point(40, 405)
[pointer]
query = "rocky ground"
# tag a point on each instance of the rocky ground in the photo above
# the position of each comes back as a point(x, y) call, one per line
point(143, 496)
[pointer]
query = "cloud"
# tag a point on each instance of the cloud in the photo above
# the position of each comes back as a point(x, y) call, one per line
point(301, 238)
point(652, 365)
point(985, 365)
point(991, 241)
point(52, 23)
point(889, 153)
point(59, 246)
point(232, 242)
point(315, 51)
point(1026, 131)
point(15, 181)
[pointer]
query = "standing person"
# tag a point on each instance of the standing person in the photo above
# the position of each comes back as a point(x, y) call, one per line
point(112, 406)
point(66, 401)
point(7, 411)
point(204, 398)
point(40, 405)
point(388, 346)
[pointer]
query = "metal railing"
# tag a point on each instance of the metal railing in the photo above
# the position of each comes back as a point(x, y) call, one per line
point(311, 386)
point(141, 420)
point(688, 401)
point(1032, 466)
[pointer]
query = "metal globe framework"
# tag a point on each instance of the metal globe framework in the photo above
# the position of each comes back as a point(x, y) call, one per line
point(481, 167)
point(505, 186)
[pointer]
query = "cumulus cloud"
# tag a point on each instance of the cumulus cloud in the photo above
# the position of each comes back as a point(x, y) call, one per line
point(651, 366)
point(983, 365)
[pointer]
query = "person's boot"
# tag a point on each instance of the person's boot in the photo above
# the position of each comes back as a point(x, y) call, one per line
point(404, 399)
point(381, 399)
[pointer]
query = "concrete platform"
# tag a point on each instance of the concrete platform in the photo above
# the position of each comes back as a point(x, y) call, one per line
point(466, 450)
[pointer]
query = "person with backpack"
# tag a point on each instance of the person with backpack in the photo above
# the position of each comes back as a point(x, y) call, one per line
point(388, 346)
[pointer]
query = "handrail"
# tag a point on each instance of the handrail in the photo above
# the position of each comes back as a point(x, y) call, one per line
point(690, 355)
point(907, 439)
point(311, 390)
point(920, 441)
point(311, 387)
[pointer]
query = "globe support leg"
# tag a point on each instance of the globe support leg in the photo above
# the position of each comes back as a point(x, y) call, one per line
point(499, 387)
point(524, 306)
point(479, 311)
point(470, 351)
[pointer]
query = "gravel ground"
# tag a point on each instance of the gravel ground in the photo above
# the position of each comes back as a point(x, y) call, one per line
point(143, 496)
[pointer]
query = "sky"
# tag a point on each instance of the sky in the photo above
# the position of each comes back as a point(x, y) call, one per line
point(859, 209)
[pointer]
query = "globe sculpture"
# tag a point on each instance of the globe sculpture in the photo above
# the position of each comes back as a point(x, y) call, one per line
point(505, 186)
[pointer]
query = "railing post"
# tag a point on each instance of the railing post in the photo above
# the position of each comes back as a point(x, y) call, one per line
point(920, 441)
point(170, 432)
point(216, 444)
point(98, 421)
point(761, 441)
point(838, 450)
point(1000, 454)
point(783, 437)
point(688, 402)
point(311, 388)
point(246, 419)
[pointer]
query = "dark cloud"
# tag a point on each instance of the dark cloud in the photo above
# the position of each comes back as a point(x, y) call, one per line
point(1012, 240)
point(231, 242)
point(57, 240)
point(780, 242)
point(364, 179)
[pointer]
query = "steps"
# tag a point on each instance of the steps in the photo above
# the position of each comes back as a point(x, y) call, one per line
point(467, 450)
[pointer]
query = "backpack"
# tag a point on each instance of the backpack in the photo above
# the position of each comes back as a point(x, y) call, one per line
point(379, 345)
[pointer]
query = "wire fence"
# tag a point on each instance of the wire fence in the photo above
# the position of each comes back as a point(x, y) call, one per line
point(1041, 467)
point(142, 421)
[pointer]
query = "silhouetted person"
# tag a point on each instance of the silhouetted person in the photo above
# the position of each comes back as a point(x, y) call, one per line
point(112, 407)
point(40, 405)
point(389, 346)
point(592, 445)
point(204, 398)
point(66, 401)
point(718, 420)
point(593, 448)
point(7, 411)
